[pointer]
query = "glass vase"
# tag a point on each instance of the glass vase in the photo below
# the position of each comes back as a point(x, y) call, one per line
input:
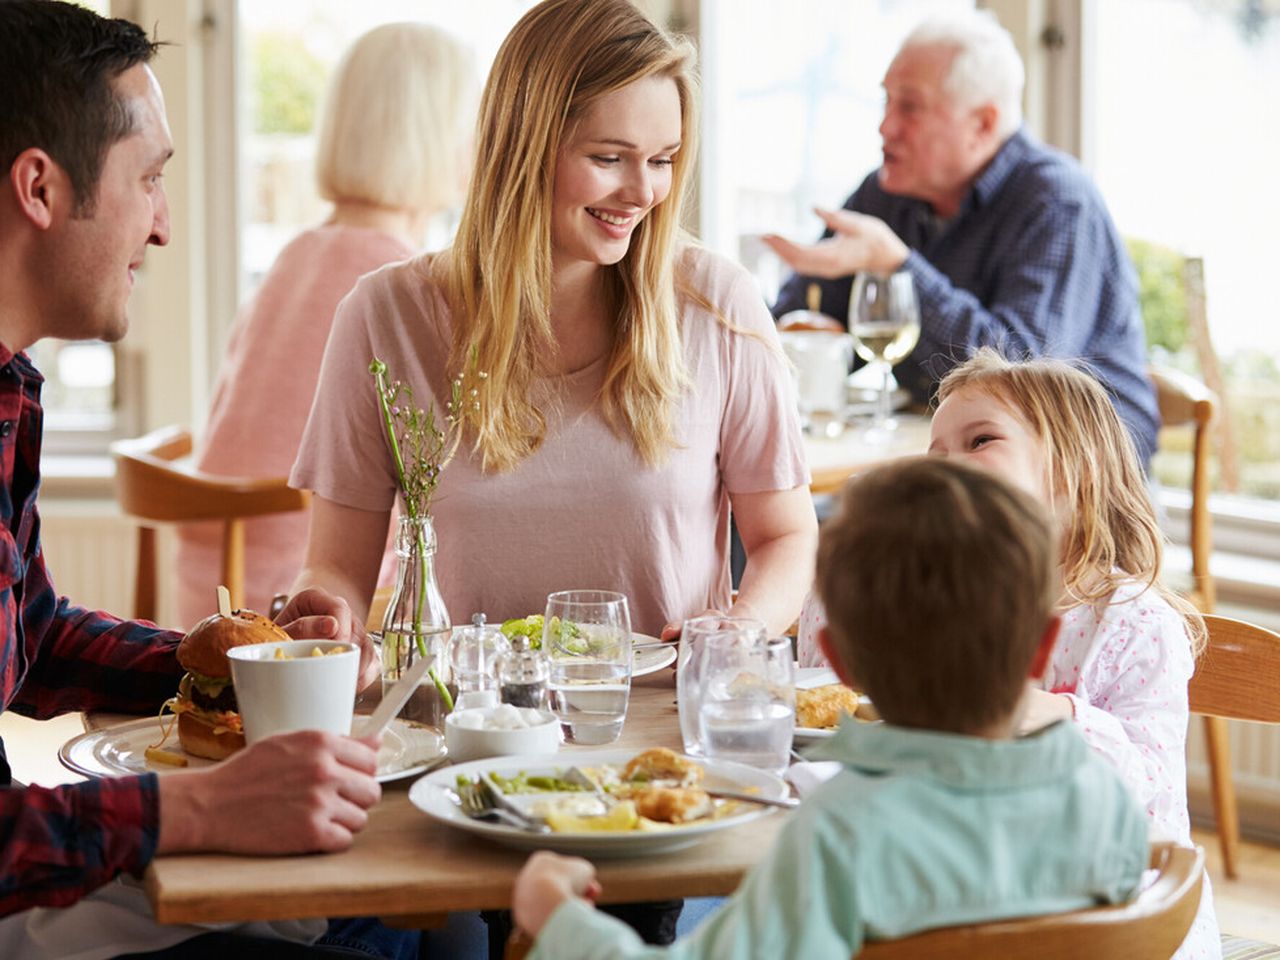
point(416, 624)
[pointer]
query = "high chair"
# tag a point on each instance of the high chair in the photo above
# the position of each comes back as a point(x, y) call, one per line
point(1236, 678)
point(152, 486)
point(1150, 927)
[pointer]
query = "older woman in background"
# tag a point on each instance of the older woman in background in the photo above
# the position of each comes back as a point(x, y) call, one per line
point(394, 140)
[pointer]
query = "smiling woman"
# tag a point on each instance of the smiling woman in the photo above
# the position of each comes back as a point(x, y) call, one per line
point(611, 431)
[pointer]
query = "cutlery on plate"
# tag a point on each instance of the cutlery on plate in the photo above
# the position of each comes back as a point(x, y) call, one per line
point(786, 803)
point(394, 699)
point(478, 804)
point(652, 645)
point(486, 784)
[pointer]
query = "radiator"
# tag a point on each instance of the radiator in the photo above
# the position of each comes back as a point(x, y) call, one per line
point(91, 551)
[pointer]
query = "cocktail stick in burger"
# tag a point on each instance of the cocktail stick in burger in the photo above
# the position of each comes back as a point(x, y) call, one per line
point(208, 718)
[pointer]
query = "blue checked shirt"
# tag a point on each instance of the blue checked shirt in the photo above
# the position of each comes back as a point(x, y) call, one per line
point(1031, 265)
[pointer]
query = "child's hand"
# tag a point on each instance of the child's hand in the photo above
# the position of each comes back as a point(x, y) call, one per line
point(545, 882)
point(1041, 708)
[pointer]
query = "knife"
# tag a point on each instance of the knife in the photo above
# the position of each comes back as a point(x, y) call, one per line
point(786, 803)
point(394, 699)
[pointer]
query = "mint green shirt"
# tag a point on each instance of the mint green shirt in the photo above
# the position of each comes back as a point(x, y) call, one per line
point(918, 830)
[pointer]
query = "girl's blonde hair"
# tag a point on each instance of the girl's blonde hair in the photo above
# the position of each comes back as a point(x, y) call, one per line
point(1110, 532)
point(563, 56)
point(395, 128)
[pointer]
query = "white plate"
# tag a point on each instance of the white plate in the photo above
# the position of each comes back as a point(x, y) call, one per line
point(805, 736)
point(431, 795)
point(806, 679)
point(645, 662)
point(407, 750)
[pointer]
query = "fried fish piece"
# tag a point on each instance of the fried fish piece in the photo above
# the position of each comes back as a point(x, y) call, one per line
point(672, 804)
point(659, 763)
point(821, 707)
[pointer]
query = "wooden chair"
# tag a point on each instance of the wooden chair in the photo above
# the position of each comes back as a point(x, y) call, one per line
point(1237, 678)
point(151, 486)
point(1185, 401)
point(1151, 927)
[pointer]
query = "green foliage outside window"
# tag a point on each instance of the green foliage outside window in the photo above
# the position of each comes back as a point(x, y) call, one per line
point(287, 84)
point(1162, 294)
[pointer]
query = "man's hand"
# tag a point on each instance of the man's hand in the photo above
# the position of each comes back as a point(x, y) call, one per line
point(1041, 708)
point(860, 243)
point(545, 882)
point(315, 614)
point(301, 792)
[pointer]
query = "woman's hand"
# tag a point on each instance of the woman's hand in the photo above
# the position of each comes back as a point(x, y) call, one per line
point(315, 614)
point(545, 882)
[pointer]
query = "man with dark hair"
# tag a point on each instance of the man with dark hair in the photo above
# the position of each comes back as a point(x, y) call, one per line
point(83, 143)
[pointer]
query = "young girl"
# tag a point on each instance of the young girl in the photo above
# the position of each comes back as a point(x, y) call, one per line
point(1127, 649)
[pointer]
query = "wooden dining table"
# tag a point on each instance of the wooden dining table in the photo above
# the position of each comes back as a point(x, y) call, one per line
point(834, 459)
point(411, 870)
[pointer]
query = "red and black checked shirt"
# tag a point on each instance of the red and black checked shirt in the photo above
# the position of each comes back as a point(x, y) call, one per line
point(56, 845)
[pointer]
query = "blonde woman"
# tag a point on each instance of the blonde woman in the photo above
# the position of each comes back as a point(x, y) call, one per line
point(634, 393)
point(393, 144)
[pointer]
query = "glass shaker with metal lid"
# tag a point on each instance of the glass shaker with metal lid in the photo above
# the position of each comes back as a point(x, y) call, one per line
point(523, 673)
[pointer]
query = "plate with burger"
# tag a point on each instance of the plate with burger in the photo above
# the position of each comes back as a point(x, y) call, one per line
point(205, 716)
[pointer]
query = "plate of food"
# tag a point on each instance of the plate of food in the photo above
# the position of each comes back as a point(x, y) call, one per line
point(407, 750)
point(602, 803)
point(204, 715)
point(820, 706)
point(651, 659)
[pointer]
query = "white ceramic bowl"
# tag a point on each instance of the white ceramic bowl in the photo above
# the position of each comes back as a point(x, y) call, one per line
point(297, 690)
point(465, 742)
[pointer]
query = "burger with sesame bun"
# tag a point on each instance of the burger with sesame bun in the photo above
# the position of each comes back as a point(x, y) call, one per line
point(208, 716)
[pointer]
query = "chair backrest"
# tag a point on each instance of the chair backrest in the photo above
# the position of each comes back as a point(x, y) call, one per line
point(152, 486)
point(1150, 927)
point(1184, 400)
point(1238, 674)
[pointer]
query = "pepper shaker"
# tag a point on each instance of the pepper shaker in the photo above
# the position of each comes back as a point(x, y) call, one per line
point(523, 675)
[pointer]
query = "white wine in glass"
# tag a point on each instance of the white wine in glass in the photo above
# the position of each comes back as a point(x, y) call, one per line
point(884, 319)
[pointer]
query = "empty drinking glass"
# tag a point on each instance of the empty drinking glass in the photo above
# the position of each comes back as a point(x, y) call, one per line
point(689, 667)
point(587, 638)
point(748, 695)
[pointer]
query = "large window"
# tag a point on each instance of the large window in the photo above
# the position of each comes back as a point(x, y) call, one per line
point(1185, 151)
point(286, 53)
point(793, 106)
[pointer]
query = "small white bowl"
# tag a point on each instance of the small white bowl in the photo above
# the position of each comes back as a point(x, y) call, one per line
point(295, 691)
point(467, 742)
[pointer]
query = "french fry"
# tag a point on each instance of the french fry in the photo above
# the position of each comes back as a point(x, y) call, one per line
point(157, 755)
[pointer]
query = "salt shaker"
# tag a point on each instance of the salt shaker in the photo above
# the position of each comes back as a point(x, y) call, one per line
point(522, 675)
point(474, 653)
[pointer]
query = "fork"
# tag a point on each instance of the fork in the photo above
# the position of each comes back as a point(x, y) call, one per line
point(478, 803)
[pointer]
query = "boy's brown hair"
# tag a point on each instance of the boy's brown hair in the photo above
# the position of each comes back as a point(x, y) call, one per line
point(939, 581)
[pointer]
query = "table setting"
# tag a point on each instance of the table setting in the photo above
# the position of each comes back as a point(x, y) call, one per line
point(596, 707)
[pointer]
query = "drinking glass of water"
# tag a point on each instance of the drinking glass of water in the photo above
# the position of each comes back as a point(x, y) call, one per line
point(690, 665)
point(587, 638)
point(884, 319)
point(748, 701)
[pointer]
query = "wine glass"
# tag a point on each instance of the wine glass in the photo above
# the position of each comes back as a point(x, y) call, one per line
point(884, 319)
point(586, 635)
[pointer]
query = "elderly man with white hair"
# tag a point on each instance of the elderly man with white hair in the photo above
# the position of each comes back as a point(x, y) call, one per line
point(1008, 241)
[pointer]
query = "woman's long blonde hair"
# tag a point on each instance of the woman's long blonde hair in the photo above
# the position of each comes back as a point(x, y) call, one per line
point(560, 58)
point(1110, 532)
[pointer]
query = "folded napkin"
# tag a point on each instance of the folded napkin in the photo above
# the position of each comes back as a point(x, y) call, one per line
point(808, 776)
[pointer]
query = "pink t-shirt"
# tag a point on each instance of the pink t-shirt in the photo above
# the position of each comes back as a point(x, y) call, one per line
point(260, 403)
point(584, 511)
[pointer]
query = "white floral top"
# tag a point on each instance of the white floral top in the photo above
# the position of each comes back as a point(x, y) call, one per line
point(1125, 668)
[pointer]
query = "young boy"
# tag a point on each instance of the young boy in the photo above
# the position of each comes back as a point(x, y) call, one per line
point(940, 583)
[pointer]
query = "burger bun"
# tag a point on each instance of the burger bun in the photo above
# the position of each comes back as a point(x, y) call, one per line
point(204, 649)
point(198, 738)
